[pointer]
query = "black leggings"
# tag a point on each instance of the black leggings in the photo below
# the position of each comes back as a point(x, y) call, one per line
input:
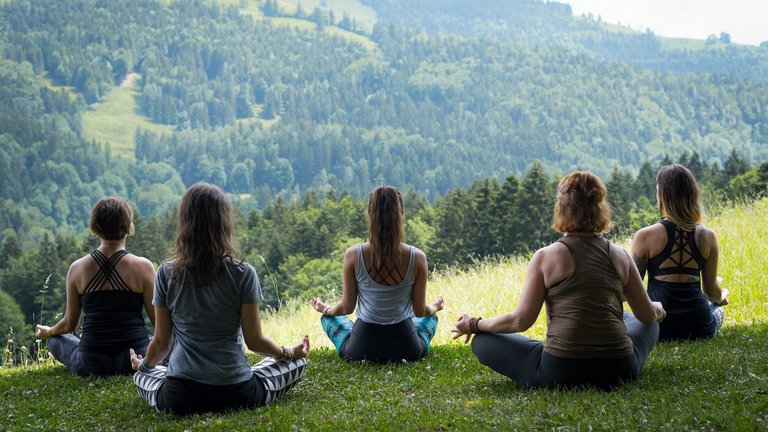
point(524, 360)
point(185, 396)
point(384, 343)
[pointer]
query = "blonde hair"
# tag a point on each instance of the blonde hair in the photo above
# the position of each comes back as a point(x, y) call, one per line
point(678, 194)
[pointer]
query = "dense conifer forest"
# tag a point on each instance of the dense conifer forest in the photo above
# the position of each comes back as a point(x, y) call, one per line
point(472, 112)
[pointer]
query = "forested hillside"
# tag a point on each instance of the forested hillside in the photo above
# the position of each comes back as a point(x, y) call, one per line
point(552, 24)
point(474, 111)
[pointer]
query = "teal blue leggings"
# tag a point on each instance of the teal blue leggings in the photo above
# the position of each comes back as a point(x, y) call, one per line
point(407, 340)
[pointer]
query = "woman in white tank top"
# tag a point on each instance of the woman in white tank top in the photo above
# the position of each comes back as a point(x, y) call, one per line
point(386, 280)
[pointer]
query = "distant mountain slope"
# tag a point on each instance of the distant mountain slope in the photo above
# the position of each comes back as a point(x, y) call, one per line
point(265, 109)
point(536, 23)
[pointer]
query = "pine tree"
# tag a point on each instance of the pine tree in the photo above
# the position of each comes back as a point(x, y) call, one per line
point(505, 216)
point(535, 208)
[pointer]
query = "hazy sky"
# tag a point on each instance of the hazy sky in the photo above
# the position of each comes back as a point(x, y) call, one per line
point(745, 20)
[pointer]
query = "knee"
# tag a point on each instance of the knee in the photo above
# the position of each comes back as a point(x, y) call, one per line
point(481, 343)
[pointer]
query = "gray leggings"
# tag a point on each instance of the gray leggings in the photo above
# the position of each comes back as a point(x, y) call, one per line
point(524, 360)
point(66, 349)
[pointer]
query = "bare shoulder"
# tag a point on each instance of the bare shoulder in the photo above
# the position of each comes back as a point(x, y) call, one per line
point(553, 254)
point(350, 255)
point(418, 253)
point(706, 240)
point(649, 241)
point(79, 264)
point(619, 254)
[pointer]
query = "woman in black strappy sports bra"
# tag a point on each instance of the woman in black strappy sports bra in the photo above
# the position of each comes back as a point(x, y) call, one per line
point(680, 255)
point(387, 280)
point(111, 287)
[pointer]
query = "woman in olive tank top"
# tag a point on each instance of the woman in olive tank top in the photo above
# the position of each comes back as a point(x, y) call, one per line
point(582, 280)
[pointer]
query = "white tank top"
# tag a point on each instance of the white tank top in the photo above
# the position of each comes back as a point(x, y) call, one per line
point(382, 304)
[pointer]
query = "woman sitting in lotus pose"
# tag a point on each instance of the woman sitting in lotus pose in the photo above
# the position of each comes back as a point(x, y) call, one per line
point(387, 280)
point(112, 287)
point(581, 279)
point(206, 307)
point(680, 255)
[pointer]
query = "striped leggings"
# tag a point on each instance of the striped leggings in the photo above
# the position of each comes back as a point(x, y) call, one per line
point(271, 380)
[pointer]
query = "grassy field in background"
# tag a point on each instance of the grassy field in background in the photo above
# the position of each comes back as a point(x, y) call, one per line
point(114, 121)
point(717, 384)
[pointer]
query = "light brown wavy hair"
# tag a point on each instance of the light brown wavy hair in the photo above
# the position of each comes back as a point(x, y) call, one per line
point(111, 218)
point(581, 204)
point(678, 196)
point(385, 225)
point(204, 236)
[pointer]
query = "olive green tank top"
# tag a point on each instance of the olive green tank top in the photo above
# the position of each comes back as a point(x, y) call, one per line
point(584, 312)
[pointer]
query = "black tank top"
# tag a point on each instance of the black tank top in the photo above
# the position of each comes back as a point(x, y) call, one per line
point(113, 320)
point(688, 311)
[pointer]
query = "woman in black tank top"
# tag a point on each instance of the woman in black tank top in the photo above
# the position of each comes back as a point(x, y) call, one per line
point(680, 255)
point(111, 287)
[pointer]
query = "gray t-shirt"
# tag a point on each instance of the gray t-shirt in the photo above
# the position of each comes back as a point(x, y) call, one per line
point(207, 333)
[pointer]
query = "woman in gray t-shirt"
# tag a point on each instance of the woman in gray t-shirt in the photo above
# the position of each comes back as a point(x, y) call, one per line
point(206, 307)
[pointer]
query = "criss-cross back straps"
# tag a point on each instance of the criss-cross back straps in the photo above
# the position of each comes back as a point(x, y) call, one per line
point(681, 254)
point(107, 272)
point(385, 274)
point(681, 250)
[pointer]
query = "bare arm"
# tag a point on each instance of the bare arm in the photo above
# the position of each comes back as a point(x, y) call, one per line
point(640, 253)
point(148, 285)
point(643, 308)
point(527, 310)
point(160, 345)
point(419, 293)
point(709, 247)
point(349, 296)
point(68, 323)
point(257, 342)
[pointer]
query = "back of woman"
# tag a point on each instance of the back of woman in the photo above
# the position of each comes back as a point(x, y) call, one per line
point(680, 256)
point(386, 279)
point(581, 279)
point(207, 344)
point(585, 317)
point(207, 308)
point(111, 287)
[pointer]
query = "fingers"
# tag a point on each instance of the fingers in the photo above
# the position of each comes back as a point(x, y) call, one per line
point(466, 340)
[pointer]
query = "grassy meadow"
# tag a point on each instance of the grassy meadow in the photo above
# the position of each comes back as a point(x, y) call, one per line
point(718, 384)
point(116, 119)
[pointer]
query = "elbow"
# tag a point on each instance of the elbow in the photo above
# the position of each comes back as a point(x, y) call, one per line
point(420, 311)
point(646, 319)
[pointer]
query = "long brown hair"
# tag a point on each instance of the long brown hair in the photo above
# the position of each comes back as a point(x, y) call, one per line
point(385, 225)
point(581, 204)
point(679, 196)
point(205, 233)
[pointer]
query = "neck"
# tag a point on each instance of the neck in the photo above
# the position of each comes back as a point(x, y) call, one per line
point(580, 234)
point(111, 245)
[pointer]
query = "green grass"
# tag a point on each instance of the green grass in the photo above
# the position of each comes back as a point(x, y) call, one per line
point(114, 121)
point(717, 384)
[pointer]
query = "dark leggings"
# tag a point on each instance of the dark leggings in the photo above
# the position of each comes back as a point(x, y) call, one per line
point(525, 361)
point(66, 349)
point(407, 340)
